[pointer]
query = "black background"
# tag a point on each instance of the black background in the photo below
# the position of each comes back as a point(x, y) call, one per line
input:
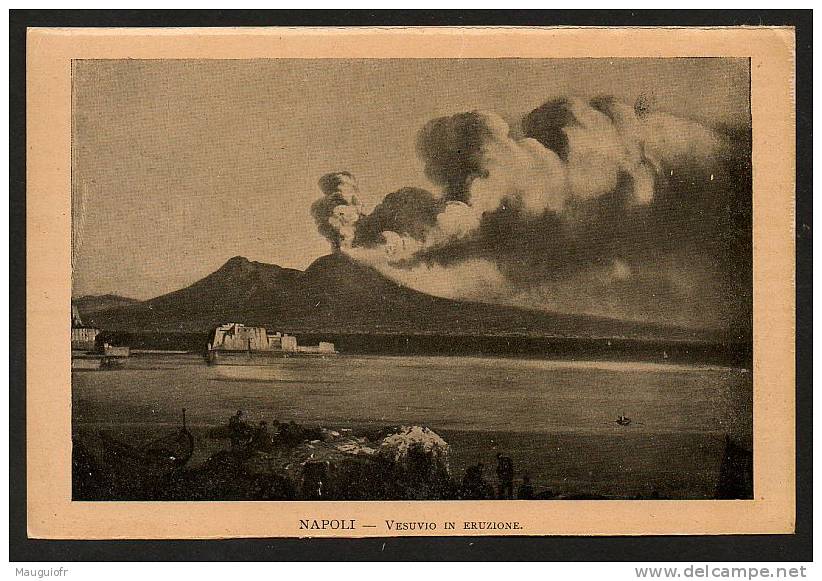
point(761, 548)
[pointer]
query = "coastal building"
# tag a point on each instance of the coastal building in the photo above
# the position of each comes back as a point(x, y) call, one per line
point(323, 347)
point(238, 337)
point(280, 341)
point(82, 338)
point(229, 340)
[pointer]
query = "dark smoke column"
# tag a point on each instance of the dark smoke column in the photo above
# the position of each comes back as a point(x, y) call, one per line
point(339, 210)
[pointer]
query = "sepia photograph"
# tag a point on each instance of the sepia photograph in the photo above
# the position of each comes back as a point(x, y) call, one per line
point(411, 279)
point(381, 282)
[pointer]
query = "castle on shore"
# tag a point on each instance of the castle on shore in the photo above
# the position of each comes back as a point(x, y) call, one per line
point(236, 337)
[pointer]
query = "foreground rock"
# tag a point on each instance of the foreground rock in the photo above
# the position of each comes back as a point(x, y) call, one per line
point(292, 463)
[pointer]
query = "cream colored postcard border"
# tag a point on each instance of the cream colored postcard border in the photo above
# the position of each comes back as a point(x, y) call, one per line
point(51, 514)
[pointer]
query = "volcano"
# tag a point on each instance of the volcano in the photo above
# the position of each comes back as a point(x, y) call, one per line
point(338, 295)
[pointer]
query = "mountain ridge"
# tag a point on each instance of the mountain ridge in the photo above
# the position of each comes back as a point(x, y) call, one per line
point(88, 304)
point(337, 294)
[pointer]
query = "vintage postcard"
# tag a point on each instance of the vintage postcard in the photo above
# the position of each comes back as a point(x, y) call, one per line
point(384, 282)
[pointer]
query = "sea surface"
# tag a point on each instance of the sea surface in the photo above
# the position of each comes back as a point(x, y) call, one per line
point(556, 419)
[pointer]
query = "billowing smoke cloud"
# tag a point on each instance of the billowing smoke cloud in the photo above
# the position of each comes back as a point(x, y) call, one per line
point(406, 213)
point(338, 212)
point(595, 207)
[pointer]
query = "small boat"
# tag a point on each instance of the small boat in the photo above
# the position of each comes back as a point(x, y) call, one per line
point(86, 363)
point(94, 362)
point(623, 420)
point(110, 351)
point(159, 456)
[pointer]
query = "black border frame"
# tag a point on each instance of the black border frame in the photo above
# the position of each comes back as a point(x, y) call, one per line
point(797, 547)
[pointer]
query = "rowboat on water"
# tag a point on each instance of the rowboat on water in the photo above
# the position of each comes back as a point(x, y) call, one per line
point(623, 420)
point(159, 456)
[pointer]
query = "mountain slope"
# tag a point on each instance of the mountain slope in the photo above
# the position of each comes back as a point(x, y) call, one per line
point(336, 294)
point(236, 291)
point(94, 303)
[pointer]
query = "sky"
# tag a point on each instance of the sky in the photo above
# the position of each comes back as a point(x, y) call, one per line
point(180, 165)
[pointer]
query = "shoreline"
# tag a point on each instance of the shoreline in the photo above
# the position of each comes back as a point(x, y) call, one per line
point(723, 351)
